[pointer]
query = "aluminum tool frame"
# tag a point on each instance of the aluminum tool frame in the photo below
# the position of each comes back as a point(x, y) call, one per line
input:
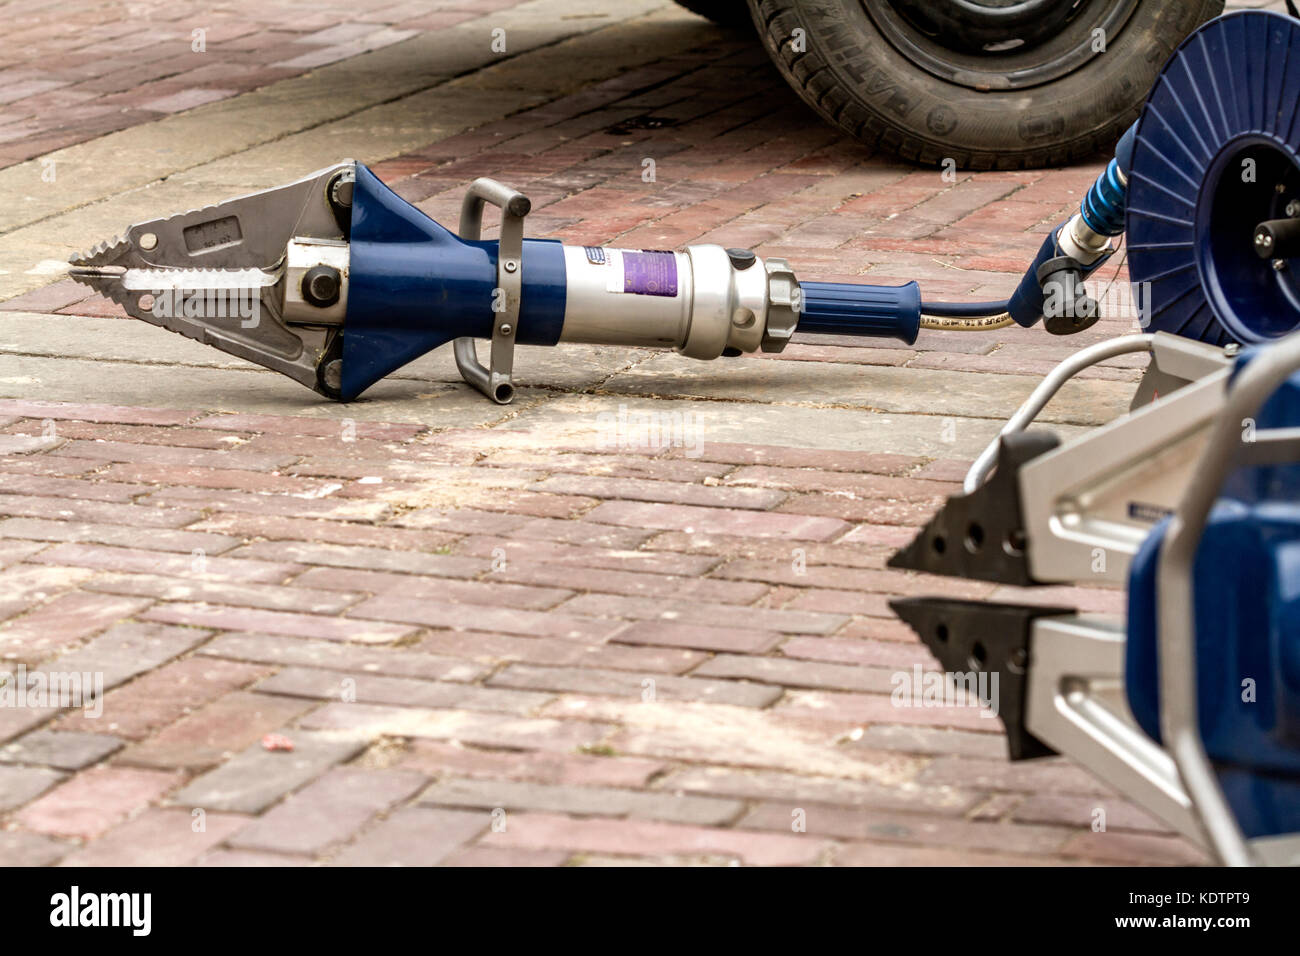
point(239, 244)
point(1176, 452)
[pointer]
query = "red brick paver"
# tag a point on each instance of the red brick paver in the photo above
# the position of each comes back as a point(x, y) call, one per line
point(456, 719)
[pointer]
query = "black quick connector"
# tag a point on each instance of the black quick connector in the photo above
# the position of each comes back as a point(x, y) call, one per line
point(1067, 307)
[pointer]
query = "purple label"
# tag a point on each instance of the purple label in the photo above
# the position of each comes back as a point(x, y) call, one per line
point(650, 273)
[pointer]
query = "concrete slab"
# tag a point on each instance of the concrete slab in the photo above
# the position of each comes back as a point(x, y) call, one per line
point(880, 387)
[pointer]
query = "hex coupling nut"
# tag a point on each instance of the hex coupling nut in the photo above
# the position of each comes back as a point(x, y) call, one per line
point(784, 299)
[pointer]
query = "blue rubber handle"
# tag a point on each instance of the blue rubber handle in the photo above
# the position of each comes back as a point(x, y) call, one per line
point(881, 311)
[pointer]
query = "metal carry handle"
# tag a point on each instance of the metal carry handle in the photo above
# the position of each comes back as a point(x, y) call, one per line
point(495, 381)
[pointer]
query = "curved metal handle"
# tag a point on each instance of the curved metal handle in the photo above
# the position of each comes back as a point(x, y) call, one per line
point(495, 380)
point(511, 202)
point(1047, 388)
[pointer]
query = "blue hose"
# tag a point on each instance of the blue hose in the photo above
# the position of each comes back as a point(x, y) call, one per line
point(1103, 207)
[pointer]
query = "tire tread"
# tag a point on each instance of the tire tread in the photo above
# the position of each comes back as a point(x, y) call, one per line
point(776, 20)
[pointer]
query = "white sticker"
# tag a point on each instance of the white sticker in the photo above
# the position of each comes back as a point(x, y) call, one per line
point(614, 270)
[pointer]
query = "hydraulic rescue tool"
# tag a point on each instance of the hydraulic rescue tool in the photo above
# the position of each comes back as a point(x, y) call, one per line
point(349, 282)
point(1190, 707)
point(335, 281)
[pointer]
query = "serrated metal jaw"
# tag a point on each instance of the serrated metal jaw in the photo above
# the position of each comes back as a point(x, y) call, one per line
point(109, 252)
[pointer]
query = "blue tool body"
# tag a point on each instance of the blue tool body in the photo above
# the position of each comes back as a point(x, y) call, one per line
point(415, 285)
point(1246, 581)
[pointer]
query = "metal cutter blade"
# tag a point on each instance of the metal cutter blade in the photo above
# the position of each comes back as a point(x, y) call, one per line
point(217, 274)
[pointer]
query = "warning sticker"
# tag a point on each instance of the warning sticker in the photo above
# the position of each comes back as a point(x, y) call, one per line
point(650, 273)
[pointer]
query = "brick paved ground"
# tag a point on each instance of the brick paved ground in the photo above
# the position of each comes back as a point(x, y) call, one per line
point(499, 636)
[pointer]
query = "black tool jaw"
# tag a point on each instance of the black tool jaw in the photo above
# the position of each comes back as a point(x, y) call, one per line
point(974, 638)
point(981, 535)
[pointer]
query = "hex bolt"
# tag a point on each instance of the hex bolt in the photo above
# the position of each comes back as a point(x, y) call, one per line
point(321, 285)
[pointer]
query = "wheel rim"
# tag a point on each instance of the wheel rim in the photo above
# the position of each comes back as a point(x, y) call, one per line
point(999, 44)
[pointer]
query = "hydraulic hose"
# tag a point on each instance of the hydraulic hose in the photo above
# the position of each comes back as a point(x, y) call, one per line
point(966, 323)
point(1080, 243)
point(963, 309)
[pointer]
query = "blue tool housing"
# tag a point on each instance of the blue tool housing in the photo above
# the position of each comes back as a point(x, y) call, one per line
point(1246, 581)
point(414, 285)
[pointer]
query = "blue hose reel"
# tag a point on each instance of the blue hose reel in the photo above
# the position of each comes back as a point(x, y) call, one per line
point(1217, 156)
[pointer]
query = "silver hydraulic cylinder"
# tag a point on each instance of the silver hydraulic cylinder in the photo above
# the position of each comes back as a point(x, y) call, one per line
point(702, 302)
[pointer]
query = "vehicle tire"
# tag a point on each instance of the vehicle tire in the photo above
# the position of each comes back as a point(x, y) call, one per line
point(727, 13)
point(989, 84)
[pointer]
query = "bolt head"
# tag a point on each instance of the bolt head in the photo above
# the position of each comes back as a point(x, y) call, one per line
point(332, 374)
point(1279, 265)
point(341, 189)
point(321, 286)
